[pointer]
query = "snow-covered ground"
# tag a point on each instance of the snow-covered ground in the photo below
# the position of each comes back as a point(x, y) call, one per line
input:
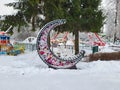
point(28, 72)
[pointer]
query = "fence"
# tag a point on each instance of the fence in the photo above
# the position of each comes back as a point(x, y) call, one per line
point(71, 47)
point(28, 46)
point(32, 47)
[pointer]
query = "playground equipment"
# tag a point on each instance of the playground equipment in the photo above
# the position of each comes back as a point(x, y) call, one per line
point(6, 48)
point(45, 52)
point(4, 43)
point(99, 42)
point(60, 40)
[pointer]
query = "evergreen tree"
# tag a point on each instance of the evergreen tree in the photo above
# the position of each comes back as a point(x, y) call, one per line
point(81, 15)
point(28, 14)
point(84, 16)
point(14, 20)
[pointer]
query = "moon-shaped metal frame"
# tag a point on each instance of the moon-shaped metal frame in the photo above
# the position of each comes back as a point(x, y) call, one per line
point(45, 52)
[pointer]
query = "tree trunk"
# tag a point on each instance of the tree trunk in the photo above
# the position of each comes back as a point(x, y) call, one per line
point(114, 39)
point(19, 28)
point(76, 42)
point(33, 23)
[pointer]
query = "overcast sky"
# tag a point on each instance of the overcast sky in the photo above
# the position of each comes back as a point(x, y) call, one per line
point(4, 10)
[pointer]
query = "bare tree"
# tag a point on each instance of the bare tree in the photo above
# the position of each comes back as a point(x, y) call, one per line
point(118, 18)
point(111, 9)
point(110, 12)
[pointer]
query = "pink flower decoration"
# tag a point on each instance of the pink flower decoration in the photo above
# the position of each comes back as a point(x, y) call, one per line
point(42, 52)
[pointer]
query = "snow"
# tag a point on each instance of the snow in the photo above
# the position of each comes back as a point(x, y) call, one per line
point(31, 40)
point(28, 72)
point(69, 42)
point(41, 16)
point(106, 48)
